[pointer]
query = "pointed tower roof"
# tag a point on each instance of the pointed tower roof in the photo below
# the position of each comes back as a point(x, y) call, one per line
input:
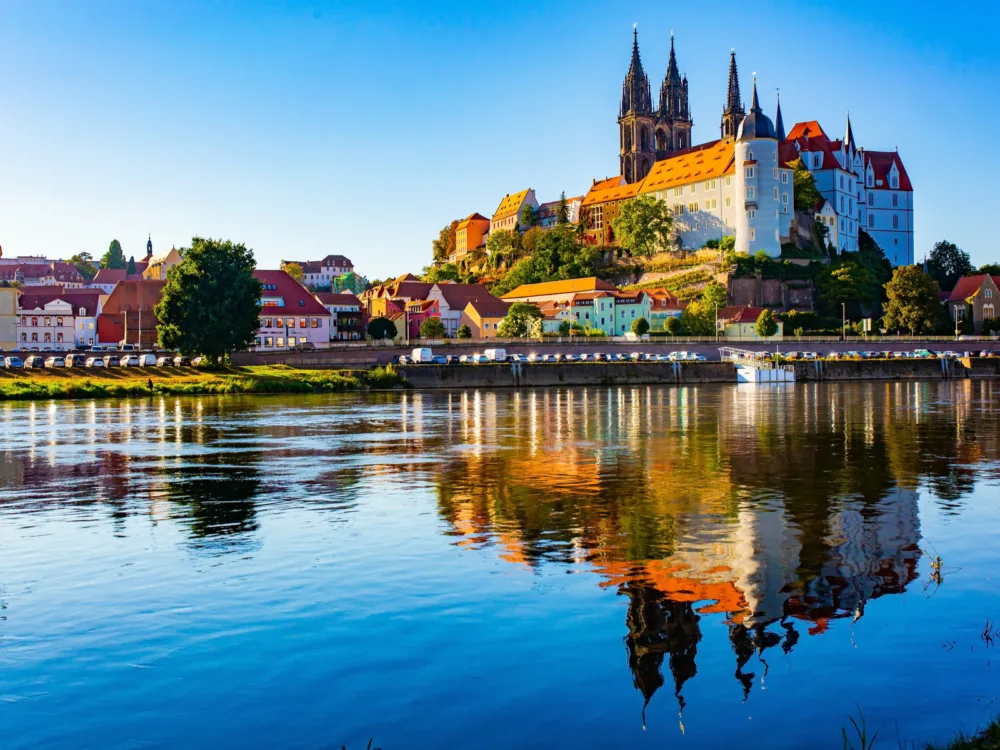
point(673, 74)
point(779, 123)
point(756, 124)
point(734, 102)
point(849, 144)
point(635, 90)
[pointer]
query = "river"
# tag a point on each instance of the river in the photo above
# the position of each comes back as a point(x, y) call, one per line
point(596, 567)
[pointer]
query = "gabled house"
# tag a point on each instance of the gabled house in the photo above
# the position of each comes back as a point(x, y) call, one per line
point(483, 316)
point(128, 316)
point(158, 265)
point(453, 299)
point(417, 311)
point(508, 213)
point(740, 322)
point(346, 319)
point(975, 297)
point(470, 235)
point(291, 317)
point(558, 291)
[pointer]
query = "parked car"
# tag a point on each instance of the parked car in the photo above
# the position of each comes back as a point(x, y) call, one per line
point(97, 348)
point(165, 362)
point(34, 363)
point(112, 361)
point(94, 362)
point(55, 362)
point(517, 358)
point(196, 362)
point(987, 353)
point(534, 357)
point(452, 359)
point(549, 357)
point(76, 360)
point(558, 357)
point(147, 360)
point(923, 353)
point(404, 360)
point(129, 348)
point(128, 360)
point(465, 359)
point(13, 363)
point(182, 361)
point(496, 355)
point(439, 359)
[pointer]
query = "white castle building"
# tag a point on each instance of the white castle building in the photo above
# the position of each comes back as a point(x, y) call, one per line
point(742, 183)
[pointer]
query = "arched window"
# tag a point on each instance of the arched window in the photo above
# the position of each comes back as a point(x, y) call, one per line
point(82, 311)
point(48, 321)
point(871, 221)
point(988, 313)
point(34, 321)
point(34, 338)
point(871, 199)
point(895, 222)
point(59, 322)
point(59, 338)
point(48, 338)
point(24, 337)
point(895, 200)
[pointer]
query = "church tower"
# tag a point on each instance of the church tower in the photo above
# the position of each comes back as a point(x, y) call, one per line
point(636, 120)
point(673, 118)
point(733, 113)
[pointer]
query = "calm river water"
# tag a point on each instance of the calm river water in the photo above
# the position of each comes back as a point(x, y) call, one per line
point(606, 567)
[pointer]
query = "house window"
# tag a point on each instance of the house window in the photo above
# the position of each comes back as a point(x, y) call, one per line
point(895, 222)
point(988, 312)
point(59, 338)
point(24, 337)
point(987, 293)
point(784, 209)
point(729, 181)
point(281, 341)
point(291, 322)
point(751, 214)
point(784, 178)
point(894, 182)
point(59, 322)
point(776, 193)
point(816, 161)
point(314, 322)
point(775, 173)
point(678, 192)
point(749, 173)
point(34, 338)
point(753, 234)
point(48, 338)
point(48, 321)
point(784, 198)
point(729, 202)
point(895, 201)
point(751, 193)
point(871, 221)
point(302, 323)
point(268, 341)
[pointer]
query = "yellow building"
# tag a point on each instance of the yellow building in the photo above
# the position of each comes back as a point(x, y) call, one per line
point(483, 317)
point(8, 318)
point(469, 235)
point(558, 291)
point(158, 265)
point(600, 207)
point(508, 212)
point(740, 322)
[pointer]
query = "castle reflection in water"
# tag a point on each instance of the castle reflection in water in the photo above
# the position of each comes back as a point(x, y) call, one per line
point(773, 512)
point(779, 511)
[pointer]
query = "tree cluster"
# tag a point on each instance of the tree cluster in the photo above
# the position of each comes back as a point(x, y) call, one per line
point(643, 226)
point(558, 254)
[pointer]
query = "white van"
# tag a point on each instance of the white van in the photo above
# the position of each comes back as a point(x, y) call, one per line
point(421, 356)
point(147, 360)
point(495, 355)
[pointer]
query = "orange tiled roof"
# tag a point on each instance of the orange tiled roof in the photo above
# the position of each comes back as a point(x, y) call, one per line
point(598, 194)
point(705, 162)
point(510, 205)
point(809, 129)
point(464, 223)
point(607, 182)
point(568, 287)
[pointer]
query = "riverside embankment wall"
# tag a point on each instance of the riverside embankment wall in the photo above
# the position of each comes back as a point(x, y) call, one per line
point(683, 373)
point(544, 375)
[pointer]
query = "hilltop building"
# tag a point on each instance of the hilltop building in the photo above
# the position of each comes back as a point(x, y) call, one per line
point(508, 213)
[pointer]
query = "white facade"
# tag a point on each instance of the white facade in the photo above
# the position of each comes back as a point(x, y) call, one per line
point(758, 199)
point(889, 218)
point(51, 327)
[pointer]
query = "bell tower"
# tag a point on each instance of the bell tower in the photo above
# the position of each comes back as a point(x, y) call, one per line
point(636, 120)
point(673, 118)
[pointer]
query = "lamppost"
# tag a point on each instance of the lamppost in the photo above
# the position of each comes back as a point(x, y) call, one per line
point(843, 307)
point(956, 322)
point(716, 321)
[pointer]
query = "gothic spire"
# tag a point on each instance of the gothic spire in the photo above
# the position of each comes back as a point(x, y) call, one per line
point(635, 90)
point(755, 104)
point(734, 103)
point(673, 74)
point(849, 145)
point(779, 123)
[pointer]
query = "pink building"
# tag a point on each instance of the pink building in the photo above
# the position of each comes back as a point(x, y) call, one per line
point(290, 316)
point(417, 312)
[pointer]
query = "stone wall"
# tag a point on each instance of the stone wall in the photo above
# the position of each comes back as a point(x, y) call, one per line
point(545, 375)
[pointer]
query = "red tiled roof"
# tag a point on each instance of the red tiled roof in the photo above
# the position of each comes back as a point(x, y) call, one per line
point(330, 298)
point(297, 299)
point(459, 295)
point(87, 301)
point(133, 295)
point(489, 308)
point(967, 286)
point(881, 162)
point(740, 314)
point(114, 275)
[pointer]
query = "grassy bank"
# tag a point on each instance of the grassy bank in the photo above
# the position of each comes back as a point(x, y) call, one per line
point(988, 739)
point(129, 382)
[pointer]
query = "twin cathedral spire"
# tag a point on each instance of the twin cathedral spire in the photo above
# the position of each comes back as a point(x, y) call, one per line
point(648, 135)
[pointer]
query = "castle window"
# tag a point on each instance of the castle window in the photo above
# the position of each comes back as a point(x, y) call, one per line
point(753, 234)
point(775, 173)
point(895, 222)
point(895, 200)
point(784, 178)
point(749, 173)
point(871, 221)
point(987, 293)
point(729, 202)
point(749, 155)
point(729, 181)
point(751, 214)
point(894, 182)
point(871, 199)
point(870, 181)
point(784, 198)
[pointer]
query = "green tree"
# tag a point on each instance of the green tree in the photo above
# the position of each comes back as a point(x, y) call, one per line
point(643, 226)
point(432, 328)
point(672, 325)
point(698, 319)
point(562, 210)
point(565, 328)
point(114, 257)
point(464, 332)
point(527, 217)
point(844, 284)
point(382, 328)
point(728, 243)
point(715, 294)
point(130, 268)
point(993, 269)
point(640, 326)
point(211, 301)
point(444, 272)
point(766, 326)
point(947, 263)
point(503, 248)
point(912, 301)
point(522, 319)
point(444, 245)
point(804, 187)
point(798, 332)
point(84, 263)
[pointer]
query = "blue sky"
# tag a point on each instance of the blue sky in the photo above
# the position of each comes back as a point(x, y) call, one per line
point(308, 128)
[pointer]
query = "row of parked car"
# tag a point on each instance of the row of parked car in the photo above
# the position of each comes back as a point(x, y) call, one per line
point(37, 362)
point(915, 354)
point(499, 355)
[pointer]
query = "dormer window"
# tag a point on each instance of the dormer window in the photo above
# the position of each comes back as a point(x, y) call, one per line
point(894, 182)
point(82, 311)
point(817, 161)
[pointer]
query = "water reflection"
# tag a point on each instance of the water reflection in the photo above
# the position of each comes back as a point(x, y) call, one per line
point(776, 513)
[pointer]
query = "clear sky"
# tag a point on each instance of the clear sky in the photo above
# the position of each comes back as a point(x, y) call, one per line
point(306, 128)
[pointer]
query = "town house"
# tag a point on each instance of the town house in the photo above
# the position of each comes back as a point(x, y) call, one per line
point(290, 316)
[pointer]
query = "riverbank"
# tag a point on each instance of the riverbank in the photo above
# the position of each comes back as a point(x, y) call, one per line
point(987, 739)
point(72, 383)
